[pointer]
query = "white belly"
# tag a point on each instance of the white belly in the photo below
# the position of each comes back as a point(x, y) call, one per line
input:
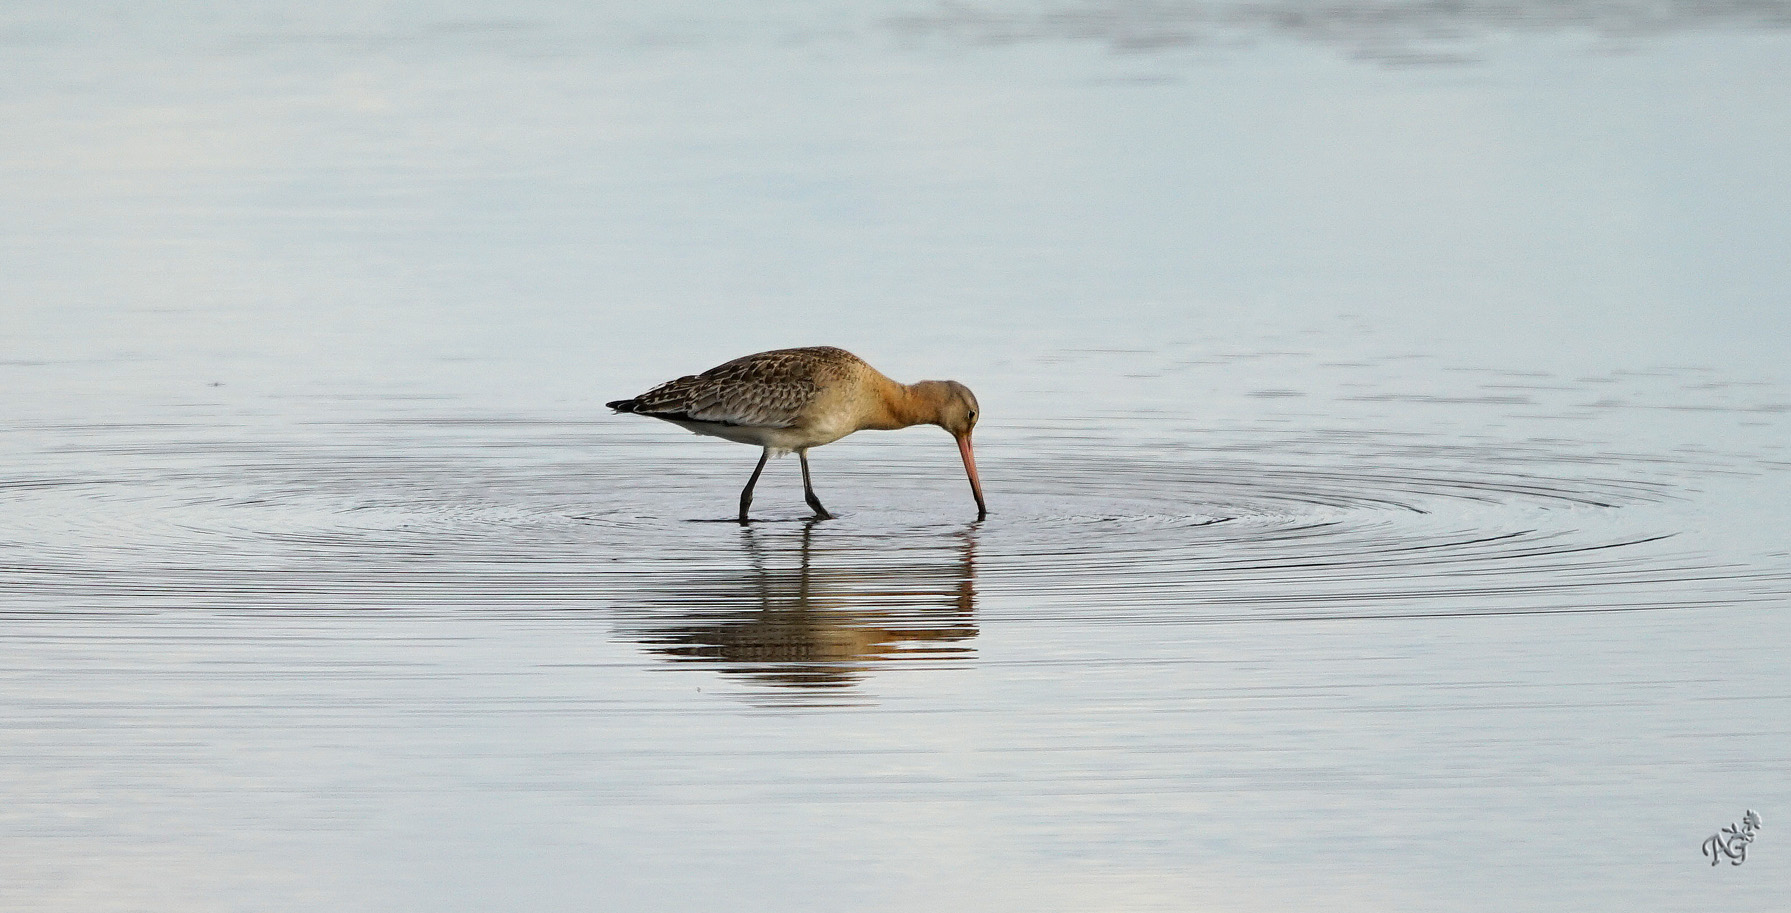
point(780, 440)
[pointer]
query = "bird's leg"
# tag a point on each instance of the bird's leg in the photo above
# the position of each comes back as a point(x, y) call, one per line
point(746, 493)
point(808, 490)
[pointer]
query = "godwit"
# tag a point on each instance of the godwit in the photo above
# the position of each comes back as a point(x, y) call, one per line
point(794, 399)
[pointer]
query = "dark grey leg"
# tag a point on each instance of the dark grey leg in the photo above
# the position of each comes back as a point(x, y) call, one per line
point(808, 490)
point(746, 494)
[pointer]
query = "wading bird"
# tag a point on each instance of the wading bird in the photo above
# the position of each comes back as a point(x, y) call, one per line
point(790, 400)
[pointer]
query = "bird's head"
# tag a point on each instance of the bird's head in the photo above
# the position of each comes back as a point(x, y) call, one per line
point(954, 408)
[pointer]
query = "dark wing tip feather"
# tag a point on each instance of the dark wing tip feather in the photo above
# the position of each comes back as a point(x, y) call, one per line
point(622, 405)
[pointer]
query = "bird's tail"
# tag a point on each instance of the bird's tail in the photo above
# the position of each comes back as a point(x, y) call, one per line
point(622, 405)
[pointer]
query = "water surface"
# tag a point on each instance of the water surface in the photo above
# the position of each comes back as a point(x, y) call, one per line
point(1384, 439)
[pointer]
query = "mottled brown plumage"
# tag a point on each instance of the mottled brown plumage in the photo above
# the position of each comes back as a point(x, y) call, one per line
point(766, 390)
point(790, 400)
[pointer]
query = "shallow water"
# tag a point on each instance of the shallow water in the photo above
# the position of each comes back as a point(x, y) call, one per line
point(1384, 439)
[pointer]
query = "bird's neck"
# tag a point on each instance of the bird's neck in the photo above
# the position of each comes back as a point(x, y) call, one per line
point(902, 405)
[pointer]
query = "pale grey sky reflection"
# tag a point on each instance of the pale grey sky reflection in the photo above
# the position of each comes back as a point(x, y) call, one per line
point(420, 183)
point(1387, 463)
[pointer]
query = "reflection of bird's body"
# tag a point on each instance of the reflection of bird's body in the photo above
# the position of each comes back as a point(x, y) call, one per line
point(792, 617)
point(790, 400)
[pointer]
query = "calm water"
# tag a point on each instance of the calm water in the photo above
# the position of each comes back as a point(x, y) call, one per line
point(1385, 437)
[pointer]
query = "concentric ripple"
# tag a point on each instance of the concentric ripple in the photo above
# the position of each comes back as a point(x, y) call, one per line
point(463, 514)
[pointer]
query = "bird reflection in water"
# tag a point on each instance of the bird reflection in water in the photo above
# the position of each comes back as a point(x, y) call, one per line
point(823, 623)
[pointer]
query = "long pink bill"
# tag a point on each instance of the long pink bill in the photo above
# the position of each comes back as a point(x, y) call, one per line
point(976, 485)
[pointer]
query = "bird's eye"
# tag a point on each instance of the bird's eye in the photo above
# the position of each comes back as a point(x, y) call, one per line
point(972, 415)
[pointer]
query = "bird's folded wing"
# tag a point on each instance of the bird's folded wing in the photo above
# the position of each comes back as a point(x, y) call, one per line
point(760, 391)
